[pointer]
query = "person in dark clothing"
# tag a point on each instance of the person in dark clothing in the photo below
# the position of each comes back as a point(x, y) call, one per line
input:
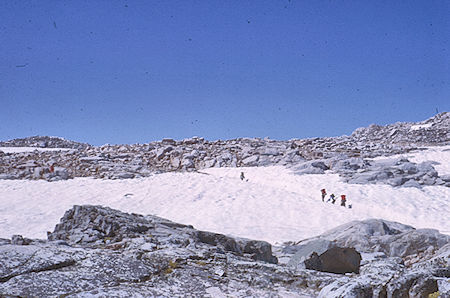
point(332, 198)
point(242, 176)
point(324, 193)
point(343, 200)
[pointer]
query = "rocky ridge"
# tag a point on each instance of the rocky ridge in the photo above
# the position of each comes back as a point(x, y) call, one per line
point(98, 251)
point(347, 155)
point(44, 142)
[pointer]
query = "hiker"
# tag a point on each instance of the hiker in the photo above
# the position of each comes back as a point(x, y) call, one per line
point(324, 193)
point(242, 176)
point(343, 200)
point(332, 198)
point(52, 169)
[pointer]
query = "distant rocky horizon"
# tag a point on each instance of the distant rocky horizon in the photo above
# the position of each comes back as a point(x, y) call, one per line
point(61, 142)
point(346, 155)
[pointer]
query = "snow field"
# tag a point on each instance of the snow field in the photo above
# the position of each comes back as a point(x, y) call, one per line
point(274, 205)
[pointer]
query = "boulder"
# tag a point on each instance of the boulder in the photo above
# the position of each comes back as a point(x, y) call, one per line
point(391, 238)
point(320, 165)
point(169, 141)
point(413, 242)
point(411, 183)
point(343, 163)
point(418, 284)
point(4, 176)
point(19, 240)
point(271, 151)
point(175, 162)
point(250, 161)
point(445, 178)
point(91, 225)
point(227, 243)
point(260, 251)
point(310, 167)
point(187, 163)
point(409, 168)
point(125, 175)
point(304, 251)
point(209, 163)
point(335, 260)
point(161, 152)
point(397, 181)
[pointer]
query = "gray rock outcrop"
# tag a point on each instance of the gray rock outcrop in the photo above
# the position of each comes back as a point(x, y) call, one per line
point(98, 251)
point(395, 172)
point(397, 260)
point(44, 142)
point(346, 155)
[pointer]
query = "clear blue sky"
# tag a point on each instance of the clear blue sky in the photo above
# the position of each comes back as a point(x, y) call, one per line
point(137, 71)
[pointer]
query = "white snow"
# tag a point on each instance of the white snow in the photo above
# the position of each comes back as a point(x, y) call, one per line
point(30, 149)
point(421, 126)
point(274, 205)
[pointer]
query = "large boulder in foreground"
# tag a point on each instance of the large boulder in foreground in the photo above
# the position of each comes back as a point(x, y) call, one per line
point(335, 260)
point(303, 252)
point(397, 260)
point(323, 255)
point(97, 251)
point(391, 238)
point(94, 226)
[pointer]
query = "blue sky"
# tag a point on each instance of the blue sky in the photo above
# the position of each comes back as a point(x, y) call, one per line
point(137, 71)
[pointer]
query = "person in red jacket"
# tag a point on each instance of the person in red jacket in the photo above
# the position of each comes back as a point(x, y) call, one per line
point(343, 200)
point(324, 193)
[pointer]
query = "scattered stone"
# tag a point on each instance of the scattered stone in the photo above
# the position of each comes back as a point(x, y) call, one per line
point(349, 156)
point(19, 240)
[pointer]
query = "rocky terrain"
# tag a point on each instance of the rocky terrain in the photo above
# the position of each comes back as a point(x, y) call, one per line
point(44, 142)
point(101, 252)
point(395, 172)
point(350, 156)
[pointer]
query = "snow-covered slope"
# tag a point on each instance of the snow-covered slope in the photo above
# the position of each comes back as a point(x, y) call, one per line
point(274, 204)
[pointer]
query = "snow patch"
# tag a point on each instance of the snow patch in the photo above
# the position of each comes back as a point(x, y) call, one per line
point(30, 149)
point(421, 126)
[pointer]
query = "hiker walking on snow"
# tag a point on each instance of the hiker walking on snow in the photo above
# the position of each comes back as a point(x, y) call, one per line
point(343, 200)
point(332, 198)
point(324, 193)
point(242, 176)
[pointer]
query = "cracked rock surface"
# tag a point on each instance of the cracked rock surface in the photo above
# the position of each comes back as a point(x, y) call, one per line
point(98, 251)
